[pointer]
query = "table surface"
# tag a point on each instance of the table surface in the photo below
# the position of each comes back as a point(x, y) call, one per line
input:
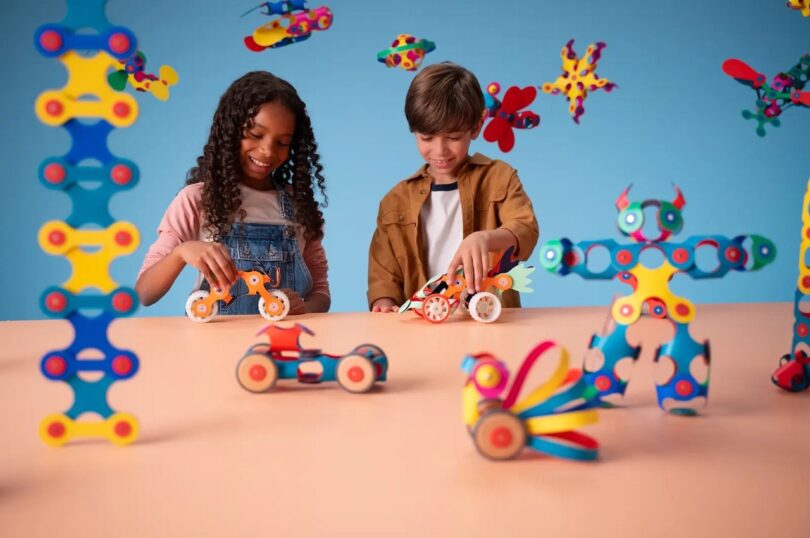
point(215, 460)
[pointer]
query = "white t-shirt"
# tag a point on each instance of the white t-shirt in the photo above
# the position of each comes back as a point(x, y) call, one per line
point(440, 219)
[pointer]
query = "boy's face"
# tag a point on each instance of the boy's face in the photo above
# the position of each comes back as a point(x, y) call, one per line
point(445, 152)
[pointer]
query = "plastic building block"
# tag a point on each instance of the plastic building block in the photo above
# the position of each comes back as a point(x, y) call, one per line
point(274, 305)
point(578, 78)
point(291, 22)
point(282, 358)
point(507, 115)
point(683, 390)
point(406, 52)
point(545, 420)
point(439, 298)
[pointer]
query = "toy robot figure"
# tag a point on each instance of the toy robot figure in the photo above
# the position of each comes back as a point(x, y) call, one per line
point(682, 391)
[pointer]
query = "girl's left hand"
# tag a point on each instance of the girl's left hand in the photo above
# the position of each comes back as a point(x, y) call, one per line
point(297, 305)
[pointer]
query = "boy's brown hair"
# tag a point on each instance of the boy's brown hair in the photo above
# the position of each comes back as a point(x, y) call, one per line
point(444, 98)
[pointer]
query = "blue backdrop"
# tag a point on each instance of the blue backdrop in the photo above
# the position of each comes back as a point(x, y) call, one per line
point(675, 117)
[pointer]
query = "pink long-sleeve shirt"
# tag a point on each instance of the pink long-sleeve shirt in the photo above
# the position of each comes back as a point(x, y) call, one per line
point(183, 221)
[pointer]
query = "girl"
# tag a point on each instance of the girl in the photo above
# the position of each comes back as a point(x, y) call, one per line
point(248, 204)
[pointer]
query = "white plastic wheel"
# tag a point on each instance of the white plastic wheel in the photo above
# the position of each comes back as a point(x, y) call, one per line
point(277, 313)
point(199, 311)
point(436, 308)
point(485, 307)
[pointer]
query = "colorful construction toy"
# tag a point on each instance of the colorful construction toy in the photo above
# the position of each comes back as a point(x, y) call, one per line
point(291, 23)
point(784, 91)
point(89, 250)
point(406, 52)
point(800, 5)
point(283, 358)
point(682, 390)
point(439, 298)
point(274, 305)
point(793, 373)
point(133, 70)
point(578, 78)
point(545, 420)
point(507, 115)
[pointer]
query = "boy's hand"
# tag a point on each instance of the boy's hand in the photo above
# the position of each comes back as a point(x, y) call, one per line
point(297, 305)
point(213, 260)
point(384, 305)
point(473, 257)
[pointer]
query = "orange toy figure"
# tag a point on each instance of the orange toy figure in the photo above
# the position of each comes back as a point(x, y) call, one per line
point(443, 294)
point(274, 305)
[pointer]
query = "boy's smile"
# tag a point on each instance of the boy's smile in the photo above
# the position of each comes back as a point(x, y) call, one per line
point(445, 153)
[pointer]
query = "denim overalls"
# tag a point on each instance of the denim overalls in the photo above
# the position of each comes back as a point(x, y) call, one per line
point(265, 247)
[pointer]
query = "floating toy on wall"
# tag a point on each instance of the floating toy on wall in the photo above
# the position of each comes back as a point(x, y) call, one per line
point(439, 298)
point(682, 357)
point(506, 115)
point(793, 373)
point(578, 78)
point(291, 22)
point(274, 305)
point(783, 92)
point(283, 357)
point(545, 420)
point(406, 52)
point(800, 5)
point(133, 70)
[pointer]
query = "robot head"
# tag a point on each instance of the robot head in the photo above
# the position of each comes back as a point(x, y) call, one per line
point(631, 216)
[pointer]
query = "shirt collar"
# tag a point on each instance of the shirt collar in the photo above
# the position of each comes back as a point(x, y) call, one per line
point(476, 160)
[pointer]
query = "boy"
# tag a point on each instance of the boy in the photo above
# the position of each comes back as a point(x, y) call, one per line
point(456, 209)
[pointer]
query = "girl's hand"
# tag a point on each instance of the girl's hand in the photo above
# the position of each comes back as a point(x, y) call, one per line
point(297, 305)
point(213, 260)
point(384, 305)
point(473, 257)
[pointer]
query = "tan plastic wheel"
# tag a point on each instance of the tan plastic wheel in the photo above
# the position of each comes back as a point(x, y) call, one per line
point(256, 372)
point(485, 307)
point(499, 435)
point(436, 308)
point(277, 310)
point(355, 373)
point(197, 310)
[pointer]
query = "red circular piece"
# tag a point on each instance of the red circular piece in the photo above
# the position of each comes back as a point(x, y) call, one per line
point(500, 437)
point(57, 237)
point(801, 329)
point(121, 109)
point(122, 365)
point(570, 259)
point(54, 107)
point(56, 301)
point(122, 301)
point(51, 40)
point(680, 255)
point(121, 174)
point(355, 374)
point(122, 428)
point(55, 173)
point(624, 257)
point(806, 282)
point(119, 43)
point(56, 429)
point(123, 238)
point(56, 365)
point(733, 254)
point(602, 383)
point(626, 310)
point(682, 309)
point(808, 233)
point(683, 388)
point(257, 372)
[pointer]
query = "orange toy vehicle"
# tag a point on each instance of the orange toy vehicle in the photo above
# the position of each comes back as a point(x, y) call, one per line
point(274, 305)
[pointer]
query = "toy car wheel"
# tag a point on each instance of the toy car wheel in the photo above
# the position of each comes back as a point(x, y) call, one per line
point(197, 308)
point(485, 307)
point(499, 435)
point(277, 310)
point(256, 372)
point(355, 373)
point(436, 308)
point(370, 351)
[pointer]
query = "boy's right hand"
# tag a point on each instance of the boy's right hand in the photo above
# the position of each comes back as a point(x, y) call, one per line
point(213, 260)
point(384, 305)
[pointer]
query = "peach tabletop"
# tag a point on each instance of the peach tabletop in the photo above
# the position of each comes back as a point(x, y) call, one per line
point(215, 460)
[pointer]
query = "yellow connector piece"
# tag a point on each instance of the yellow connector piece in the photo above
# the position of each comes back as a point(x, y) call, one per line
point(58, 429)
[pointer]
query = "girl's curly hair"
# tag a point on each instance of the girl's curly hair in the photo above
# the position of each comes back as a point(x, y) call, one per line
point(219, 169)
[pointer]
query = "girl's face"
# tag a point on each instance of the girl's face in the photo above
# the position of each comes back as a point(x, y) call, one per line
point(266, 145)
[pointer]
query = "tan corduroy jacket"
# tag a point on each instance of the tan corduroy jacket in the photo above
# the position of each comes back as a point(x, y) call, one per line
point(491, 197)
